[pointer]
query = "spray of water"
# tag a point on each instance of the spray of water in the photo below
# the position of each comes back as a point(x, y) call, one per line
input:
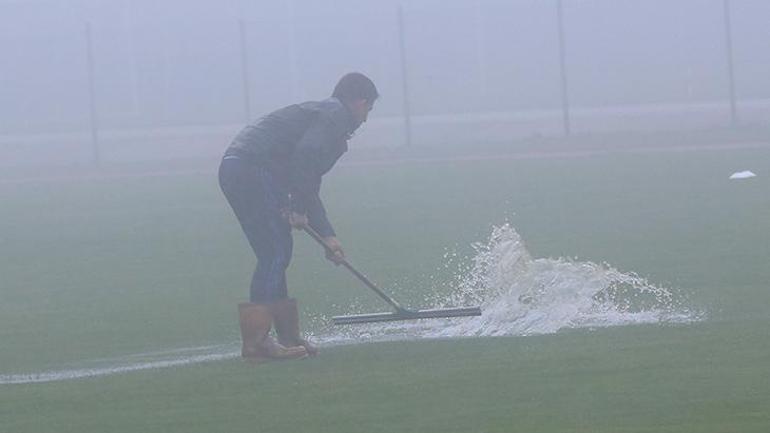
point(520, 295)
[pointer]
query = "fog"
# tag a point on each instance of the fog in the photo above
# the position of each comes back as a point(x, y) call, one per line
point(176, 71)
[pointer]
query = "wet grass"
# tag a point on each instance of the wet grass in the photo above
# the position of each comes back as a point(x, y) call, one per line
point(649, 378)
point(95, 269)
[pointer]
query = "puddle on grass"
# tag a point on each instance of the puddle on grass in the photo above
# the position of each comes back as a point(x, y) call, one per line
point(520, 295)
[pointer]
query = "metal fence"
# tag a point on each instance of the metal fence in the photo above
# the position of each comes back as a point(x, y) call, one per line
point(104, 79)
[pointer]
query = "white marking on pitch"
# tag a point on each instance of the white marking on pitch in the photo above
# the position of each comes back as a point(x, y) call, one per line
point(59, 375)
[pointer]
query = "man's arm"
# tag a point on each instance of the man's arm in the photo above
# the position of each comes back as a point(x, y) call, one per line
point(307, 166)
point(316, 216)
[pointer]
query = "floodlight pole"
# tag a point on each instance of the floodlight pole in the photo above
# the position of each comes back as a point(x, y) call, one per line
point(481, 52)
point(128, 22)
point(563, 67)
point(404, 78)
point(245, 70)
point(291, 18)
point(730, 71)
point(96, 157)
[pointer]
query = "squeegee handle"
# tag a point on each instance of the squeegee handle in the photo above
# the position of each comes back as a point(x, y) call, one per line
point(309, 230)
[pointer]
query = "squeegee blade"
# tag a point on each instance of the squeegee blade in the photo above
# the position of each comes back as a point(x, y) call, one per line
point(410, 315)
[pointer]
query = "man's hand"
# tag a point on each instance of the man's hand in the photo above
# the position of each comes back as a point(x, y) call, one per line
point(297, 220)
point(334, 251)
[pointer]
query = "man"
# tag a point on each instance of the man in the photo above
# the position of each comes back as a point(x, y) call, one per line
point(271, 177)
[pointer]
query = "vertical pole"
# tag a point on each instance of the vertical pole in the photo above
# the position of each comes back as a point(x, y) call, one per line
point(165, 94)
point(128, 23)
point(96, 157)
point(481, 52)
point(404, 78)
point(245, 70)
point(563, 66)
point(295, 87)
point(730, 72)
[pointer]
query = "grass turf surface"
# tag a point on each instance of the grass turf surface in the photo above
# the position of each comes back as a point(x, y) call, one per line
point(671, 379)
point(120, 266)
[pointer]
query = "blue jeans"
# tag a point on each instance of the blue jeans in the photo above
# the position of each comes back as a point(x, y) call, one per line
point(258, 202)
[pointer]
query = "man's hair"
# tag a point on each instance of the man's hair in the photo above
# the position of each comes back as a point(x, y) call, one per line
point(354, 86)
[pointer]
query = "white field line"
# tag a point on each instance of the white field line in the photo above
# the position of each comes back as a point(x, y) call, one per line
point(172, 358)
point(411, 160)
point(59, 375)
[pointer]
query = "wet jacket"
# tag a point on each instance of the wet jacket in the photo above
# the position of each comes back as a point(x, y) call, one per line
point(298, 144)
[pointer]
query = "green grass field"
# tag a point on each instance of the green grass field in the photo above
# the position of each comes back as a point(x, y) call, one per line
point(102, 269)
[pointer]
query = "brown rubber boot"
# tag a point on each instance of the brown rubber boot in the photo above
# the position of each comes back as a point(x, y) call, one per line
point(258, 345)
point(286, 318)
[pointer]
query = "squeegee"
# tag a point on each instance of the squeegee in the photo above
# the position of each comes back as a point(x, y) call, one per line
point(399, 313)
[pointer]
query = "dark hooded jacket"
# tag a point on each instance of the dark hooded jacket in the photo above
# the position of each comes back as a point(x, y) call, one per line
point(298, 144)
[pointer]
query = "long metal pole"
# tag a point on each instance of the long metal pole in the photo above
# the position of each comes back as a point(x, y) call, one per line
point(128, 22)
point(481, 52)
point(730, 71)
point(404, 78)
point(245, 70)
point(297, 91)
point(96, 157)
point(563, 66)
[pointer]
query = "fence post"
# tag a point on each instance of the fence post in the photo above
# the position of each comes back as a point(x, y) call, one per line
point(563, 67)
point(730, 71)
point(404, 78)
point(296, 89)
point(481, 52)
point(245, 70)
point(96, 157)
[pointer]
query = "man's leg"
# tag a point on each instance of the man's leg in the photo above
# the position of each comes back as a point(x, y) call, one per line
point(260, 219)
point(285, 313)
point(240, 183)
point(269, 282)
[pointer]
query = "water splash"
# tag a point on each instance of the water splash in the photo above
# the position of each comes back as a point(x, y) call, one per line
point(520, 295)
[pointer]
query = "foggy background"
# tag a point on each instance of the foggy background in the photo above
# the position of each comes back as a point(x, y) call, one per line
point(176, 79)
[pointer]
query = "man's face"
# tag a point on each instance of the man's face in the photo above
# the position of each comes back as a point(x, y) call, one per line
point(361, 109)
